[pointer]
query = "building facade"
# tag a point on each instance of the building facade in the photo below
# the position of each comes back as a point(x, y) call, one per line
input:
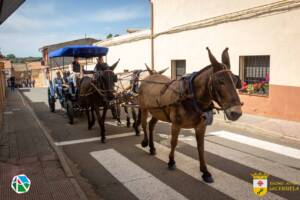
point(263, 42)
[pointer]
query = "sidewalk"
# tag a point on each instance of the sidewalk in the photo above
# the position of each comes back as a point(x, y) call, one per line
point(264, 125)
point(25, 150)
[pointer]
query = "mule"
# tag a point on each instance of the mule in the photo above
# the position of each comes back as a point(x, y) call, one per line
point(185, 103)
point(126, 95)
point(95, 93)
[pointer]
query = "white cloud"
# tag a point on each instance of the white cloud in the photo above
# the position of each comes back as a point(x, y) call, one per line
point(120, 14)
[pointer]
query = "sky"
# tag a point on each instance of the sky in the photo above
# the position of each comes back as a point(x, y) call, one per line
point(38, 22)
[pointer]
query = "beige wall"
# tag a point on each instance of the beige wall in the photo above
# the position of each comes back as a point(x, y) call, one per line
point(170, 13)
point(131, 49)
point(275, 35)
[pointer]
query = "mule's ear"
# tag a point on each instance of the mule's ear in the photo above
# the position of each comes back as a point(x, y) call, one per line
point(212, 59)
point(148, 69)
point(163, 71)
point(114, 65)
point(225, 58)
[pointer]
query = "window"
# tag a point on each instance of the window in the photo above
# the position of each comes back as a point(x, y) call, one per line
point(254, 73)
point(178, 68)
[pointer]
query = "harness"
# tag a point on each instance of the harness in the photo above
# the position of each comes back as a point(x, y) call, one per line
point(187, 83)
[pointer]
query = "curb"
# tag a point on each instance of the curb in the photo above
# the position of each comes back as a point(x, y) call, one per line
point(254, 129)
point(58, 151)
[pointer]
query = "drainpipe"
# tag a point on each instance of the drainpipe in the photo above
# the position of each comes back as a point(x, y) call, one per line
point(152, 35)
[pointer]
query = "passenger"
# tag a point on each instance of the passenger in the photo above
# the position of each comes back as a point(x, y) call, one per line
point(58, 84)
point(75, 71)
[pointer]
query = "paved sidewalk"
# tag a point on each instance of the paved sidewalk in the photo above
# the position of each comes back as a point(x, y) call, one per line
point(25, 150)
point(266, 125)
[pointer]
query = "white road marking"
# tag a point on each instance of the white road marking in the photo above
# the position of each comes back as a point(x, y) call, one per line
point(8, 113)
point(224, 182)
point(268, 146)
point(138, 181)
point(70, 142)
point(115, 123)
point(273, 168)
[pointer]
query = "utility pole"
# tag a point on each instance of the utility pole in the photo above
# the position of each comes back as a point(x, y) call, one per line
point(152, 35)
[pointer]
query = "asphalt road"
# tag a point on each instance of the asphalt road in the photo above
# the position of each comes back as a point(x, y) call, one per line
point(122, 169)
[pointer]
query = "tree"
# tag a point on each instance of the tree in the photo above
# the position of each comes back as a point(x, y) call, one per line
point(109, 36)
point(11, 56)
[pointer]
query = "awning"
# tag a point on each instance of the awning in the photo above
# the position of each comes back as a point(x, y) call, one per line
point(82, 51)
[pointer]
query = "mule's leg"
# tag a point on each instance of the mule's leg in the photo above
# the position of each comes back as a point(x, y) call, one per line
point(127, 116)
point(93, 116)
point(87, 112)
point(135, 126)
point(100, 123)
point(118, 108)
point(152, 124)
point(200, 132)
point(174, 139)
point(105, 108)
point(144, 116)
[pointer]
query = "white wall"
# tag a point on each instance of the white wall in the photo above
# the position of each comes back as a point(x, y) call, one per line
point(276, 35)
point(132, 55)
point(170, 13)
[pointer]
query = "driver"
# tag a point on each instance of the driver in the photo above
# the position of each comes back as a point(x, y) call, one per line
point(101, 65)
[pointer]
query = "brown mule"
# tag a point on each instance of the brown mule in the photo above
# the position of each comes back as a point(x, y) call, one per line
point(185, 102)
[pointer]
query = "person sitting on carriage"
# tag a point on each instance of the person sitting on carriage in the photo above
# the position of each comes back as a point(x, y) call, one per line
point(58, 84)
point(134, 82)
point(75, 70)
point(101, 65)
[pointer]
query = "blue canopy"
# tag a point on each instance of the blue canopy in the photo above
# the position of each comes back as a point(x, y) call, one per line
point(82, 51)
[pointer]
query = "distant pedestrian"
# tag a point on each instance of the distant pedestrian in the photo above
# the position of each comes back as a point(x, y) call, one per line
point(12, 83)
point(33, 83)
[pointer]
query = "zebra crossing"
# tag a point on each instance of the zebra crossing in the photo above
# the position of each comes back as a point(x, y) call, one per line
point(144, 183)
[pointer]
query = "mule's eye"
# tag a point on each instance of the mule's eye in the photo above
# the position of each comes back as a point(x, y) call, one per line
point(221, 81)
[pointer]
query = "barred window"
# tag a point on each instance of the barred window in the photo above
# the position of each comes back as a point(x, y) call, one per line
point(254, 72)
point(178, 68)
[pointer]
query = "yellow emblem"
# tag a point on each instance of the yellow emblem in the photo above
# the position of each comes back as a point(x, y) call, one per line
point(260, 183)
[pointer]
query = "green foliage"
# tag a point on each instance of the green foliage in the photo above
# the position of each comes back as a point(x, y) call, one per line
point(15, 59)
point(109, 36)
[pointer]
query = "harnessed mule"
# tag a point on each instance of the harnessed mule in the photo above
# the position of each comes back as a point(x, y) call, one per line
point(96, 93)
point(188, 103)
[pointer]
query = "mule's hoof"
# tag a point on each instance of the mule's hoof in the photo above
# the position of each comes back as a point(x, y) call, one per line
point(172, 165)
point(207, 178)
point(103, 140)
point(137, 133)
point(144, 143)
point(89, 128)
point(153, 151)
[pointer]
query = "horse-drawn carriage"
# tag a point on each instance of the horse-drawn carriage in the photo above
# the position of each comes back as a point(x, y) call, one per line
point(66, 89)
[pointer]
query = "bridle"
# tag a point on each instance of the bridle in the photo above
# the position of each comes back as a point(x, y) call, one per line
point(211, 89)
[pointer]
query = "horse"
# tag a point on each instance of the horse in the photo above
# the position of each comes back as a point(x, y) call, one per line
point(95, 93)
point(186, 103)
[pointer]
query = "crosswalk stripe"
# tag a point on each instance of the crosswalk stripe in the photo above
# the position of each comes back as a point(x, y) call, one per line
point(225, 183)
point(138, 181)
point(276, 169)
point(70, 142)
point(269, 146)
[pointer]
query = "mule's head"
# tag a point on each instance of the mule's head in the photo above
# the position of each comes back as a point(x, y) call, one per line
point(224, 85)
point(106, 82)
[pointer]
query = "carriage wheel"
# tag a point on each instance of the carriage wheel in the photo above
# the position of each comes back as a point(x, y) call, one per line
point(52, 105)
point(70, 112)
point(51, 102)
